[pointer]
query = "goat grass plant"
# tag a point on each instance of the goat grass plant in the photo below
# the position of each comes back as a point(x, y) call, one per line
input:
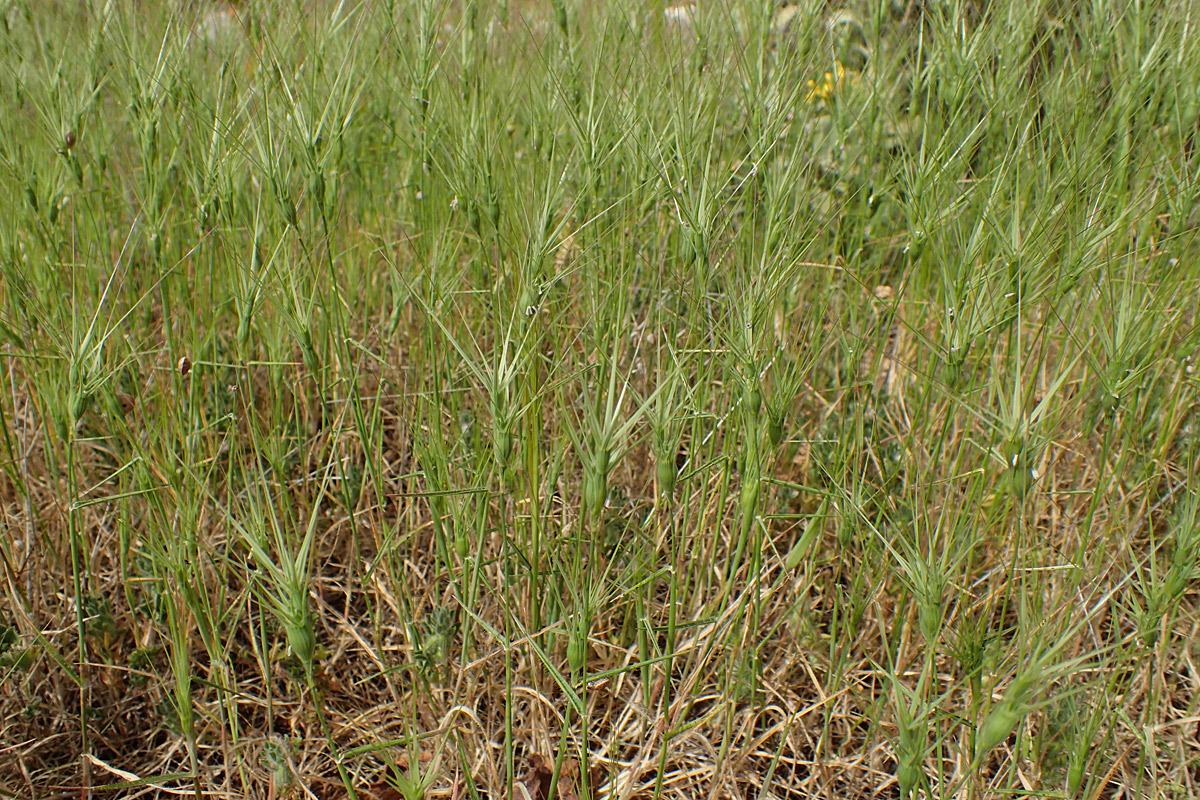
point(494, 398)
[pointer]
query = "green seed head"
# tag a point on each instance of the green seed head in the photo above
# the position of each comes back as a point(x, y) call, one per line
point(352, 485)
point(474, 219)
point(316, 186)
point(694, 247)
point(462, 545)
point(528, 302)
point(577, 651)
point(748, 504)
point(243, 329)
point(560, 15)
point(150, 138)
point(493, 211)
point(997, 727)
point(752, 399)
point(774, 237)
point(309, 352)
point(908, 774)
point(502, 444)
point(80, 402)
point(667, 475)
point(595, 486)
point(775, 428)
point(302, 640)
point(1079, 759)
point(331, 194)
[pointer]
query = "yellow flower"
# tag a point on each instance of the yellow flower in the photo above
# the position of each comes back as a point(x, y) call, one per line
point(829, 83)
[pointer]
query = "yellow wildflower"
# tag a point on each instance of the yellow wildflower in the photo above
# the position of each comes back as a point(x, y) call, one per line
point(829, 83)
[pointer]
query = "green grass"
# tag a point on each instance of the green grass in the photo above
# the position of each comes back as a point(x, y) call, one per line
point(619, 403)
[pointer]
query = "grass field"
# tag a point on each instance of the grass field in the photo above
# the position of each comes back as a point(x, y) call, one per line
point(530, 400)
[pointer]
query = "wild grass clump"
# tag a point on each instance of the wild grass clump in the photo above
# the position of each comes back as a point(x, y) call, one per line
point(485, 398)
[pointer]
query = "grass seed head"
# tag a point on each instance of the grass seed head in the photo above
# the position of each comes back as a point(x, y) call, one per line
point(502, 444)
point(910, 751)
point(577, 650)
point(775, 422)
point(752, 399)
point(595, 488)
point(667, 474)
point(302, 639)
point(997, 727)
point(748, 504)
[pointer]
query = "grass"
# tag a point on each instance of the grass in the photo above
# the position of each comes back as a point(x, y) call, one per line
point(504, 399)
